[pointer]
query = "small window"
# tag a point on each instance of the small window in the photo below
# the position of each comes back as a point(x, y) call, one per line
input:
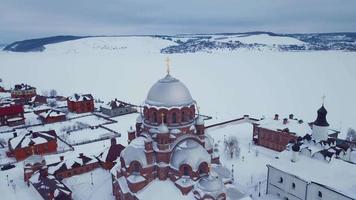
point(320, 195)
point(293, 185)
point(280, 180)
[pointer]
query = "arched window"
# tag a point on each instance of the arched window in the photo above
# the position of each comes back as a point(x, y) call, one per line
point(174, 117)
point(320, 195)
point(185, 171)
point(293, 185)
point(182, 116)
point(136, 167)
point(280, 180)
point(154, 117)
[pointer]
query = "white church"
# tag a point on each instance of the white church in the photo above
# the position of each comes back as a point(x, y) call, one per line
point(310, 168)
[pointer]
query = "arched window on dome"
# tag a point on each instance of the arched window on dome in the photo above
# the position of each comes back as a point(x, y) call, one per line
point(174, 118)
point(186, 171)
point(182, 116)
point(154, 117)
point(135, 166)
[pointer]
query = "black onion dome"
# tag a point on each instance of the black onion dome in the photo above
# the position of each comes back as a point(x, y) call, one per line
point(296, 147)
point(321, 119)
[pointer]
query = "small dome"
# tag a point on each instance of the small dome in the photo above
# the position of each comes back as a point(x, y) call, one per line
point(169, 92)
point(211, 184)
point(135, 151)
point(162, 128)
point(191, 153)
point(321, 118)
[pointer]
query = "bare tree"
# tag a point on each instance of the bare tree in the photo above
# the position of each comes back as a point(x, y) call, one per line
point(351, 135)
point(53, 93)
point(231, 146)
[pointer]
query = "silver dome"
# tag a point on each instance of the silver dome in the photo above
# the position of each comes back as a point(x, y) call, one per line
point(169, 92)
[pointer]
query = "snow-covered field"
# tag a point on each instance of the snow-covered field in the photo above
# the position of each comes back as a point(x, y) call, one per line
point(226, 84)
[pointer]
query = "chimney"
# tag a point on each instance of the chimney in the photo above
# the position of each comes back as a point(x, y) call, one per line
point(291, 116)
point(113, 141)
point(81, 155)
point(61, 158)
point(15, 134)
point(300, 121)
point(285, 121)
point(276, 117)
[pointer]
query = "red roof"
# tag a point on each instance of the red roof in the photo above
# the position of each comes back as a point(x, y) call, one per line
point(11, 110)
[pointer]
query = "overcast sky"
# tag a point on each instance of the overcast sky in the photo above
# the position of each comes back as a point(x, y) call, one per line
point(24, 19)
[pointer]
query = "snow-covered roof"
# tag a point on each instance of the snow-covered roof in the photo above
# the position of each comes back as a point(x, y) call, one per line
point(70, 163)
point(116, 104)
point(135, 151)
point(23, 87)
point(298, 127)
point(169, 92)
point(81, 97)
point(189, 152)
point(32, 138)
point(51, 113)
point(335, 174)
point(50, 184)
point(210, 184)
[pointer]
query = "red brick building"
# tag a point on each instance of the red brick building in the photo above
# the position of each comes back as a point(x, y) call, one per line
point(80, 103)
point(11, 115)
point(169, 144)
point(276, 133)
point(32, 143)
point(24, 92)
point(73, 166)
point(52, 116)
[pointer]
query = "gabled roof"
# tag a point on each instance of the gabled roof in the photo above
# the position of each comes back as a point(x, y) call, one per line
point(71, 163)
point(32, 138)
point(81, 97)
point(23, 87)
point(51, 113)
point(50, 184)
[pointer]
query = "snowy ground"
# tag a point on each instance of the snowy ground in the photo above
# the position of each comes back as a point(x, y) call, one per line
point(249, 169)
point(225, 84)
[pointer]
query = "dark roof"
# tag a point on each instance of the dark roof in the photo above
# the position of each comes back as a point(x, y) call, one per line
point(23, 87)
point(326, 153)
point(114, 152)
point(321, 118)
point(65, 167)
point(51, 185)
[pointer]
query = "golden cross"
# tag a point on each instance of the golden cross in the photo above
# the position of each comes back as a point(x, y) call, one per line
point(167, 64)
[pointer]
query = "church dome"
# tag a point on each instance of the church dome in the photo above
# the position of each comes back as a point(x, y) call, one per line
point(191, 153)
point(169, 92)
point(211, 183)
point(135, 151)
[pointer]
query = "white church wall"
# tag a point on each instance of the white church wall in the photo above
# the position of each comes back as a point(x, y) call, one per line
point(292, 186)
point(319, 192)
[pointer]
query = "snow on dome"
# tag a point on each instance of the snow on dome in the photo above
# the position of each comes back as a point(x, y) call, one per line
point(162, 128)
point(211, 184)
point(169, 92)
point(135, 151)
point(189, 152)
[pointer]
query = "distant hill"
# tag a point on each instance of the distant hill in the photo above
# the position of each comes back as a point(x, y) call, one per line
point(190, 43)
point(38, 44)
